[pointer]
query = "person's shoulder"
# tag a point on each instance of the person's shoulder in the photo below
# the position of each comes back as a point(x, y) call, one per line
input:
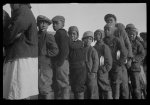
point(138, 42)
point(61, 31)
point(105, 46)
point(93, 49)
point(49, 35)
point(79, 41)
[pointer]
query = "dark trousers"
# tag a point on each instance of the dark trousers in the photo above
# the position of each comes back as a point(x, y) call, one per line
point(124, 88)
point(77, 79)
point(61, 79)
point(135, 83)
point(119, 82)
point(91, 87)
point(104, 87)
point(45, 82)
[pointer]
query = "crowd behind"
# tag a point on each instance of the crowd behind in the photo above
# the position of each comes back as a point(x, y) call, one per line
point(39, 65)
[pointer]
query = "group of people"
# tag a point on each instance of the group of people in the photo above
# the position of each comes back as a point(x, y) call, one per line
point(38, 63)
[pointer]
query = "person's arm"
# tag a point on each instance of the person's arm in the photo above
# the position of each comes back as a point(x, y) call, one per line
point(51, 46)
point(18, 25)
point(140, 53)
point(127, 44)
point(107, 60)
point(95, 61)
point(63, 46)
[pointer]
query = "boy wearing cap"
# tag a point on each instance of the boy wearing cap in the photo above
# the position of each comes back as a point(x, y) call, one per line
point(105, 65)
point(92, 63)
point(119, 56)
point(47, 48)
point(138, 56)
point(61, 63)
point(77, 63)
point(122, 35)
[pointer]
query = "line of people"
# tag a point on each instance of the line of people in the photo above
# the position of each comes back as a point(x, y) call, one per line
point(52, 67)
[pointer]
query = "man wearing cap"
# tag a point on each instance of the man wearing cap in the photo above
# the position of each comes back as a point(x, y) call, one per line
point(77, 63)
point(122, 35)
point(138, 56)
point(119, 55)
point(61, 63)
point(92, 63)
point(105, 65)
point(47, 48)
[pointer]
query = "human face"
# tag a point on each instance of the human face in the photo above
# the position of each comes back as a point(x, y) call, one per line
point(97, 36)
point(132, 35)
point(73, 35)
point(109, 31)
point(111, 21)
point(43, 25)
point(57, 25)
point(87, 41)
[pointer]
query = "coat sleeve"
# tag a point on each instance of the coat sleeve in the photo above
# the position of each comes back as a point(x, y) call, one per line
point(52, 48)
point(123, 52)
point(140, 53)
point(95, 61)
point(18, 25)
point(63, 47)
point(127, 44)
point(107, 60)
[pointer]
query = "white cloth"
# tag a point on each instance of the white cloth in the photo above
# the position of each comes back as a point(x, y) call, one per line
point(101, 61)
point(20, 78)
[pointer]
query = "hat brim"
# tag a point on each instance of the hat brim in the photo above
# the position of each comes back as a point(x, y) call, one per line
point(45, 21)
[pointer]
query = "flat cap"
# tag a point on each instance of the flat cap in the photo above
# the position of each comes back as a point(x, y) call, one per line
point(58, 18)
point(44, 18)
point(108, 16)
point(131, 27)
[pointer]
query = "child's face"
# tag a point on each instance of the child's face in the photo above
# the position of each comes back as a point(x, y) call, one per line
point(87, 41)
point(43, 25)
point(109, 31)
point(132, 35)
point(57, 25)
point(73, 35)
point(111, 20)
point(97, 36)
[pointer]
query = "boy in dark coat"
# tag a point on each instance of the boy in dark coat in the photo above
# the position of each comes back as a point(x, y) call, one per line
point(138, 56)
point(119, 56)
point(105, 65)
point(77, 63)
point(47, 49)
point(61, 63)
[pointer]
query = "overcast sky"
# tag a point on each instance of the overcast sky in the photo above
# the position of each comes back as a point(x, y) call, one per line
point(90, 16)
